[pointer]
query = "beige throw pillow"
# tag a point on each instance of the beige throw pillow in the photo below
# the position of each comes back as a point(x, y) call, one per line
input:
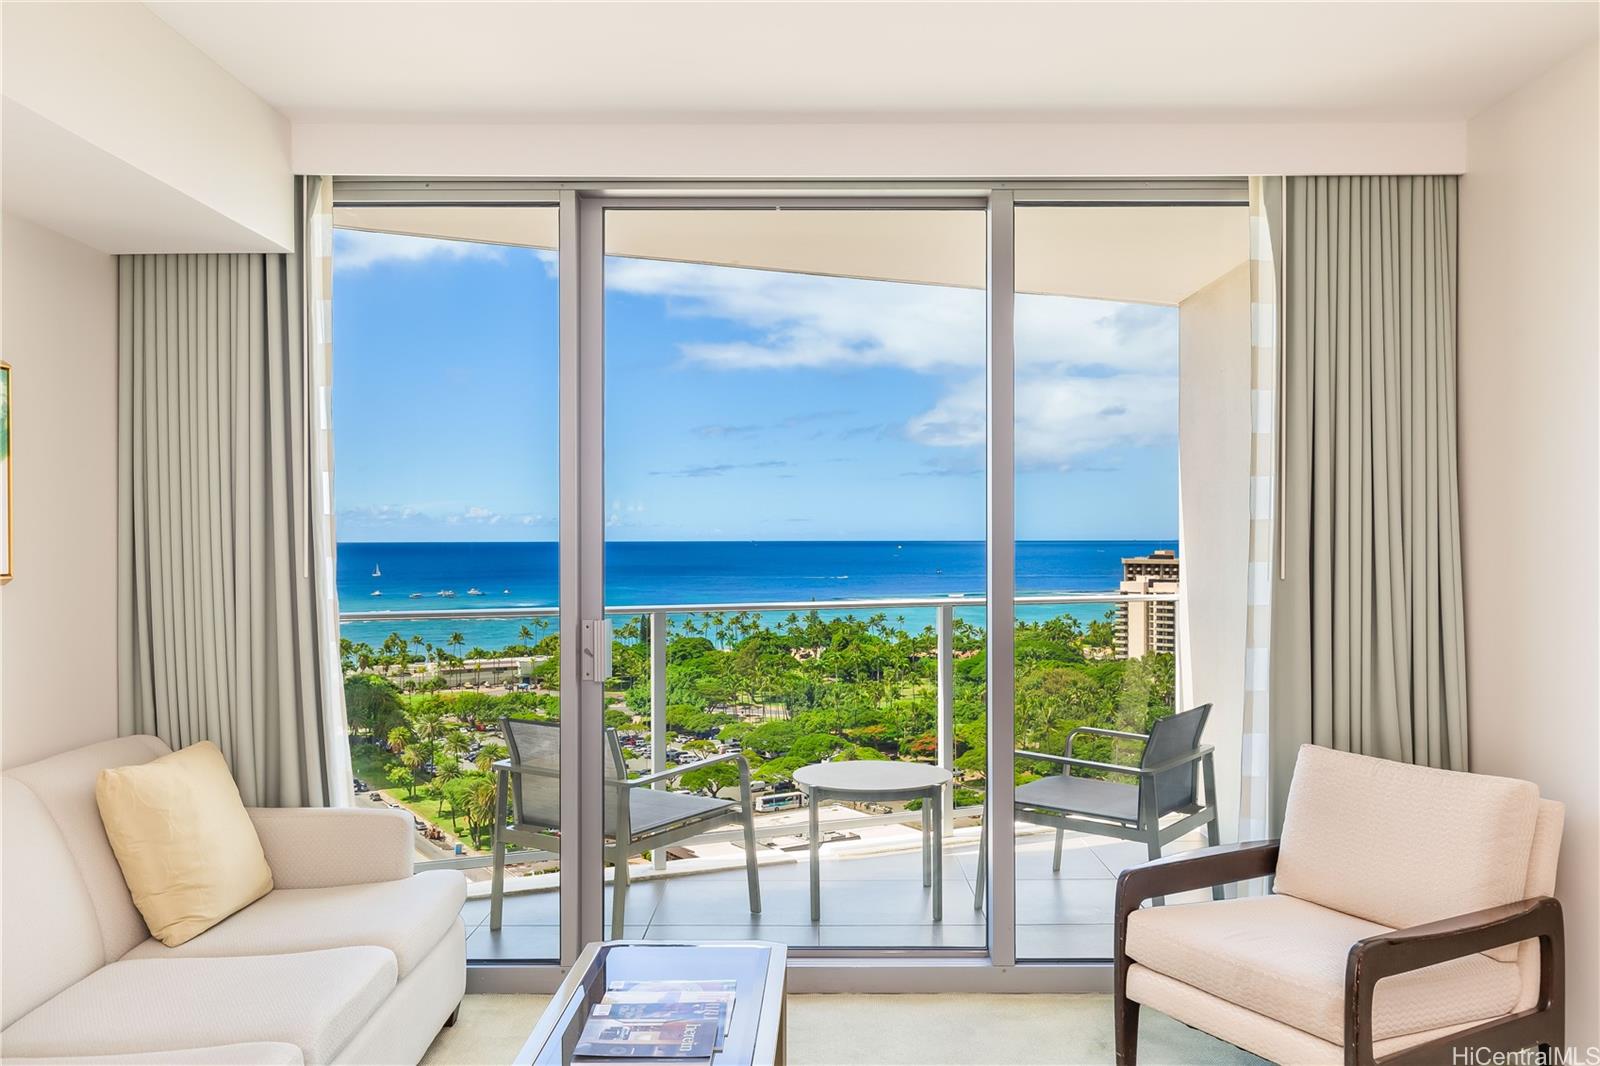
point(187, 847)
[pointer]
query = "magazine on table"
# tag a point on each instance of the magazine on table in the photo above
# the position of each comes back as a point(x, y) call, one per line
point(658, 1019)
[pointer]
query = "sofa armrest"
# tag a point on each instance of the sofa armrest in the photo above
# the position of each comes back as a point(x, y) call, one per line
point(1403, 950)
point(319, 847)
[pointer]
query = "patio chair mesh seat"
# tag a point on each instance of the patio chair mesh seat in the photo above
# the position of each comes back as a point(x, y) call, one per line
point(655, 817)
point(1092, 796)
point(649, 809)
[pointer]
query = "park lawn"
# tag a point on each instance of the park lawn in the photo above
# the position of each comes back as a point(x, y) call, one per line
point(371, 763)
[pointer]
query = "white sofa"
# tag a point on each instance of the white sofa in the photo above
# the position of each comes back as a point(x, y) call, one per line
point(351, 958)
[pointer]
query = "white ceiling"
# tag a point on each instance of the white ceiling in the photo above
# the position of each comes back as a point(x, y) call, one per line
point(1194, 61)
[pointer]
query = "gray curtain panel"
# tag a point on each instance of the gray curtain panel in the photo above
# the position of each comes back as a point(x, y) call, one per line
point(1367, 645)
point(221, 638)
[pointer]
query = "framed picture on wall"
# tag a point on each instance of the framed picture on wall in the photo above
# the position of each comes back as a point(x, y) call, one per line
point(5, 472)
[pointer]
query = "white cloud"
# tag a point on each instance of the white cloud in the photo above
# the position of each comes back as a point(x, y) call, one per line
point(807, 321)
point(1060, 420)
point(359, 249)
point(389, 515)
point(1091, 374)
point(804, 321)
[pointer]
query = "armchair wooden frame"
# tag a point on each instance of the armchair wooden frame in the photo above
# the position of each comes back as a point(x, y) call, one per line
point(1543, 1025)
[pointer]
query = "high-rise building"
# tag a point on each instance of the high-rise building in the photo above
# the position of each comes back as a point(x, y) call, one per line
point(1145, 626)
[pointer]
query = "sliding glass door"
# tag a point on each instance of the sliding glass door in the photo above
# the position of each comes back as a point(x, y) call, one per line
point(445, 414)
point(811, 564)
point(794, 570)
point(1103, 298)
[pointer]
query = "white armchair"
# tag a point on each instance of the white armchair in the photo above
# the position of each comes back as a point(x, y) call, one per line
point(1410, 916)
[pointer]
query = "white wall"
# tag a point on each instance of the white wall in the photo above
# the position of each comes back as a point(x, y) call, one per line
point(1214, 505)
point(58, 632)
point(108, 107)
point(1528, 447)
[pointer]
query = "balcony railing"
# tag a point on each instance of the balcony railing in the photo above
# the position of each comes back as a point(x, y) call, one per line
point(658, 615)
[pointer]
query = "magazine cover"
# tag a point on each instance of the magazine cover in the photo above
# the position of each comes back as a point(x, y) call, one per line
point(668, 1006)
point(669, 991)
point(607, 1038)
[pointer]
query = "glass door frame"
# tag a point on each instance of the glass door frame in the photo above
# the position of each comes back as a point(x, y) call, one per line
point(589, 318)
point(581, 272)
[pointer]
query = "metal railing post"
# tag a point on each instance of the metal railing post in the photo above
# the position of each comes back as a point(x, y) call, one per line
point(658, 710)
point(945, 628)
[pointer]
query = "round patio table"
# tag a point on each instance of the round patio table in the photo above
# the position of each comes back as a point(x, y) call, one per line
point(880, 781)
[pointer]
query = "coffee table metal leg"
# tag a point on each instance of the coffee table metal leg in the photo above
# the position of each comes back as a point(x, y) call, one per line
point(816, 873)
point(934, 801)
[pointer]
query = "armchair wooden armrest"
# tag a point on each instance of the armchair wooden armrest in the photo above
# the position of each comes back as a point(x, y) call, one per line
point(1206, 868)
point(1403, 950)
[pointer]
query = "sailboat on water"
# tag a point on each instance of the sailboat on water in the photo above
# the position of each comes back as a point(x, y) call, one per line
point(377, 571)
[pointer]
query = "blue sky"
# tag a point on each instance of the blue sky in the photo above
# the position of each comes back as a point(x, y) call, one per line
point(740, 404)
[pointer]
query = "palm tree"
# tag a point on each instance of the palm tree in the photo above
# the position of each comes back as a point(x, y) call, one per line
point(398, 737)
point(525, 635)
point(490, 754)
point(412, 760)
point(480, 806)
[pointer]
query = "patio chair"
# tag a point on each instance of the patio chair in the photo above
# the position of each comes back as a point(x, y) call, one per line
point(638, 818)
point(1167, 782)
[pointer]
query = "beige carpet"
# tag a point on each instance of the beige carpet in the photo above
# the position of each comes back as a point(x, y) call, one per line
point(918, 1030)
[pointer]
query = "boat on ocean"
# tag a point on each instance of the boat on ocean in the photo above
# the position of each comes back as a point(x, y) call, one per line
point(446, 593)
point(474, 592)
point(377, 592)
point(416, 595)
point(377, 571)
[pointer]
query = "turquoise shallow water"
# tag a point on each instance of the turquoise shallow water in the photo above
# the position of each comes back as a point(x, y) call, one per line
point(691, 572)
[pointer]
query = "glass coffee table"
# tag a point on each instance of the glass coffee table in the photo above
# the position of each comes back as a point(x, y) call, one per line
point(755, 1036)
point(880, 781)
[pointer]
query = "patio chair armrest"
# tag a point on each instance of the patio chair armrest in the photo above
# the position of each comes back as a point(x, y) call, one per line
point(1206, 868)
point(1083, 764)
point(669, 774)
point(506, 766)
point(1403, 950)
point(1092, 730)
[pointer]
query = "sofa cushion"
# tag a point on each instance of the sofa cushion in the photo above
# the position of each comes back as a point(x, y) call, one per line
point(1285, 958)
point(187, 848)
point(65, 785)
point(1255, 1033)
point(47, 922)
point(315, 1000)
point(1402, 845)
point(407, 917)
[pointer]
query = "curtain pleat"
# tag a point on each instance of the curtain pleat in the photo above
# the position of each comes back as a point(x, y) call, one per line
point(1367, 639)
point(226, 631)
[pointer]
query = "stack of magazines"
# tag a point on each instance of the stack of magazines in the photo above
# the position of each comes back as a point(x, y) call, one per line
point(658, 1019)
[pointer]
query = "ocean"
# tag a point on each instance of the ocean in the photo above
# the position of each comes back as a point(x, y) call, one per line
point(411, 576)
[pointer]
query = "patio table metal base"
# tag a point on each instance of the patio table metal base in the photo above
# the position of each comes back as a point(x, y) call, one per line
point(874, 781)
